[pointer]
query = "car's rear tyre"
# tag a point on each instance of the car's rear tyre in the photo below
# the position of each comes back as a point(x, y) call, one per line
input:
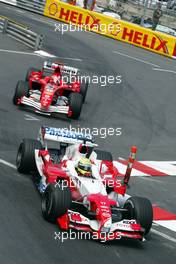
point(141, 210)
point(22, 89)
point(25, 160)
point(75, 101)
point(83, 89)
point(56, 200)
point(103, 155)
point(30, 70)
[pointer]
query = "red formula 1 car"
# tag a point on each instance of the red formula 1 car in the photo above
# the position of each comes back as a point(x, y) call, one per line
point(54, 90)
point(81, 188)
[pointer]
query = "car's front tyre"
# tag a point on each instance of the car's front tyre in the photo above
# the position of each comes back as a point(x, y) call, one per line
point(83, 89)
point(22, 89)
point(75, 102)
point(141, 210)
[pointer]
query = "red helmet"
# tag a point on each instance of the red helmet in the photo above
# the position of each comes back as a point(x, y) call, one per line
point(57, 70)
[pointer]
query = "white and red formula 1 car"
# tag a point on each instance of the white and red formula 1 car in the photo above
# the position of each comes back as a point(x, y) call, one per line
point(95, 201)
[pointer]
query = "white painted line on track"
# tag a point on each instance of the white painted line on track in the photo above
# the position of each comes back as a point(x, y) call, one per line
point(31, 118)
point(169, 224)
point(38, 53)
point(137, 59)
point(154, 231)
point(67, 58)
point(18, 52)
point(11, 2)
point(20, 11)
point(122, 169)
point(43, 53)
point(163, 70)
point(8, 164)
point(165, 167)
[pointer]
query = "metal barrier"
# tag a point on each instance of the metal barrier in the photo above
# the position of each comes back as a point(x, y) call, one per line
point(20, 33)
point(1, 25)
point(36, 6)
point(152, 4)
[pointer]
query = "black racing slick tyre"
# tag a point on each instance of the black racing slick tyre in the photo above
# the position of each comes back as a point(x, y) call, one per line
point(56, 200)
point(25, 160)
point(30, 70)
point(83, 89)
point(22, 89)
point(75, 101)
point(141, 210)
point(103, 155)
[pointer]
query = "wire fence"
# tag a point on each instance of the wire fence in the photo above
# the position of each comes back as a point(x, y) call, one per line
point(128, 9)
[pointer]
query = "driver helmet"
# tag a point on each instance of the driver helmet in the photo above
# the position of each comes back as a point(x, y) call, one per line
point(57, 70)
point(84, 167)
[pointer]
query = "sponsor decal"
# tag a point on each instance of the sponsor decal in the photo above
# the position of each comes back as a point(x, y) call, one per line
point(53, 9)
point(123, 226)
point(128, 222)
point(59, 132)
point(145, 40)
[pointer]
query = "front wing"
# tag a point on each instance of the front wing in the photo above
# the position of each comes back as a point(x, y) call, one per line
point(122, 229)
point(37, 106)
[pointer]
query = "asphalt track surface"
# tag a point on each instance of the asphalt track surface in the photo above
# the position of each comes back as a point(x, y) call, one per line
point(143, 105)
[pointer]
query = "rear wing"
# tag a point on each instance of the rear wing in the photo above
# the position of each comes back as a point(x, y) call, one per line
point(64, 69)
point(65, 136)
point(69, 70)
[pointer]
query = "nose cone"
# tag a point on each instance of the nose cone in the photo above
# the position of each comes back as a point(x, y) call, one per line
point(45, 102)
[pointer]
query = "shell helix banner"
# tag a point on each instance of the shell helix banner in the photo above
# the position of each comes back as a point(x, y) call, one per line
point(86, 20)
